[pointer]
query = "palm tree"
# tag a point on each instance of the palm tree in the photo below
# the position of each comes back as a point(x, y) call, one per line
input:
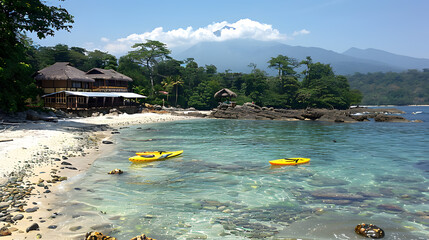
point(166, 84)
point(177, 82)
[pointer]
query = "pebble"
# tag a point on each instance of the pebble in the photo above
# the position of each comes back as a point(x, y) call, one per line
point(18, 217)
point(33, 227)
point(4, 231)
point(30, 210)
point(75, 228)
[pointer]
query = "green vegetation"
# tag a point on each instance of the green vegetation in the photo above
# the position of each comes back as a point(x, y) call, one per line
point(406, 88)
point(16, 17)
point(155, 73)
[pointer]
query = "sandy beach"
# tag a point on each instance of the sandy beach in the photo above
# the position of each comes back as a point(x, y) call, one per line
point(44, 157)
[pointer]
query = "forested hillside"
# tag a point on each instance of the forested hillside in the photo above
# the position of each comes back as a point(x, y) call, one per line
point(183, 83)
point(407, 88)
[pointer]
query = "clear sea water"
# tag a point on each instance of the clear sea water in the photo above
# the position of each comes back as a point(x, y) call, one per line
point(223, 187)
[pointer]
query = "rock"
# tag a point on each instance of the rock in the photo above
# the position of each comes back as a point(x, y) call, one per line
point(337, 196)
point(30, 210)
point(389, 118)
point(33, 115)
point(107, 142)
point(4, 231)
point(52, 227)
point(75, 228)
point(97, 236)
point(369, 231)
point(142, 237)
point(65, 163)
point(337, 202)
point(254, 112)
point(116, 171)
point(390, 207)
point(18, 217)
point(33, 227)
point(4, 206)
point(62, 179)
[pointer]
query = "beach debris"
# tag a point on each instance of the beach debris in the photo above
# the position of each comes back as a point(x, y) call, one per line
point(107, 142)
point(116, 171)
point(33, 227)
point(97, 236)
point(369, 230)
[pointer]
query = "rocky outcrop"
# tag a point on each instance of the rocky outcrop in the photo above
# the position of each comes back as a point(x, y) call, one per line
point(389, 118)
point(253, 112)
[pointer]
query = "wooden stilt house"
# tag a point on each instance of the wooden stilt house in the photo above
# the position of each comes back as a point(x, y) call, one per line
point(67, 87)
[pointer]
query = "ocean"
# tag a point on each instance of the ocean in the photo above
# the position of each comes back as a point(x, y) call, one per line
point(223, 186)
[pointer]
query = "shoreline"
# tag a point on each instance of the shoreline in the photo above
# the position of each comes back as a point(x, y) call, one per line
point(66, 149)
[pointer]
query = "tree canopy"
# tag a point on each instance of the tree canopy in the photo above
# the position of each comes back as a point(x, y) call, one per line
point(406, 88)
point(154, 72)
point(16, 18)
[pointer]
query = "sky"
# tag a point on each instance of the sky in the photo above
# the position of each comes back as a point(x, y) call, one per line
point(396, 26)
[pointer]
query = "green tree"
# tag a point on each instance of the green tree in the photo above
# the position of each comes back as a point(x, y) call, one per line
point(99, 59)
point(285, 67)
point(16, 17)
point(255, 85)
point(177, 81)
point(149, 54)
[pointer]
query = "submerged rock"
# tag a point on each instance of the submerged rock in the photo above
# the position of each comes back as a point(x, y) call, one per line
point(97, 236)
point(369, 231)
point(116, 171)
point(142, 237)
point(390, 207)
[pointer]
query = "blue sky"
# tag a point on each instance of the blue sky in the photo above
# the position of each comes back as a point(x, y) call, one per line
point(397, 26)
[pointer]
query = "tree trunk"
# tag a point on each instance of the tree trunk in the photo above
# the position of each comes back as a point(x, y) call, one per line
point(177, 88)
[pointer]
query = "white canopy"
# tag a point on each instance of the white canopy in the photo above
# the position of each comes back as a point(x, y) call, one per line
point(99, 94)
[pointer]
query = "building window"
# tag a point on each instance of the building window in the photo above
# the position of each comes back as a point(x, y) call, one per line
point(77, 84)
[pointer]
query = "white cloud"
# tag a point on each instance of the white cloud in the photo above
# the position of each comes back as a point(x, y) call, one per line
point(301, 32)
point(219, 31)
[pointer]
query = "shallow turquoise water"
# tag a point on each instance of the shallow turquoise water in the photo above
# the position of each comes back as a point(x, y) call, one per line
point(223, 187)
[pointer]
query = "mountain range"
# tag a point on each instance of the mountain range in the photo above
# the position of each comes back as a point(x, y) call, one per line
point(236, 55)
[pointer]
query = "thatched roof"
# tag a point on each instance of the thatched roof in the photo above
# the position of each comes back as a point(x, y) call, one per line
point(225, 92)
point(62, 71)
point(107, 74)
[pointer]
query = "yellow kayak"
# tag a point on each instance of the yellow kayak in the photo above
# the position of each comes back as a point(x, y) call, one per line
point(290, 161)
point(153, 156)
